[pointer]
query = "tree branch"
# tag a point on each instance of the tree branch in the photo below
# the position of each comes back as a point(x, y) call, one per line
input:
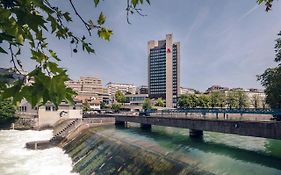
point(13, 60)
point(80, 17)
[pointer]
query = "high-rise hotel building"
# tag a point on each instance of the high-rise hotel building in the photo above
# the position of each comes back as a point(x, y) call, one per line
point(164, 70)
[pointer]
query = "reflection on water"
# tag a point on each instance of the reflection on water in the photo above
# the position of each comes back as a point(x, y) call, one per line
point(216, 153)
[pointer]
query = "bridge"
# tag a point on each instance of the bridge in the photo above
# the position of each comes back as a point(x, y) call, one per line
point(213, 120)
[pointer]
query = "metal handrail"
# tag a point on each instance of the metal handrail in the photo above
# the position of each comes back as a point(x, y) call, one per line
point(275, 112)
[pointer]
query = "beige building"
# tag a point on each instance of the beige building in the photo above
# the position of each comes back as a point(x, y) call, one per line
point(164, 70)
point(86, 85)
point(88, 88)
point(256, 97)
point(125, 88)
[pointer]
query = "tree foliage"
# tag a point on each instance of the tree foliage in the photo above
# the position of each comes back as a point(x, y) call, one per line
point(237, 99)
point(160, 102)
point(147, 104)
point(268, 4)
point(194, 100)
point(7, 110)
point(103, 105)
point(120, 97)
point(256, 101)
point(187, 101)
point(217, 99)
point(234, 99)
point(25, 24)
point(271, 79)
point(203, 100)
point(86, 106)
point(116, 106)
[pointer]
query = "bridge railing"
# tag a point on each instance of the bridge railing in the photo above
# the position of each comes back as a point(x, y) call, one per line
point(215, 113)
point(227, 110)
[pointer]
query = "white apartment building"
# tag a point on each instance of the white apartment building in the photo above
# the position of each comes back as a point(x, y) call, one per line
point(125, 88)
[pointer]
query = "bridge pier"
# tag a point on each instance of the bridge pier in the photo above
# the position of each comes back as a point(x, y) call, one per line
point(194, 133)
point(145, 126)
point(120, 123)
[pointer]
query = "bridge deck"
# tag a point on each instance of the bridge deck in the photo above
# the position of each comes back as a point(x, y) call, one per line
point(265, 129)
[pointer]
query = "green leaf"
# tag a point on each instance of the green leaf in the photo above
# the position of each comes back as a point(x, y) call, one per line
point(259, 1)
point(105, 33)
point(135, 2)
point(87, 47)
point(2, 50)
point(38, 56)
point(54, 55)
point(67, 16)
point(101, 19)
point(96, 2)
point(19, 38)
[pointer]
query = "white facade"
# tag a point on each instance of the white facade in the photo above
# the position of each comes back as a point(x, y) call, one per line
point(186, 91)
point(125, 88)
point(48, 114)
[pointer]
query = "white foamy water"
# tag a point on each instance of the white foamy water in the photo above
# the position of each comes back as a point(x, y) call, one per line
point(15, 159)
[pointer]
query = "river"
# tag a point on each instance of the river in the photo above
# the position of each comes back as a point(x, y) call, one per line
point(17, 160)
point(221, 154)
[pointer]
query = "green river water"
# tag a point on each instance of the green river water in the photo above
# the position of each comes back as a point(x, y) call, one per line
point(164, 150)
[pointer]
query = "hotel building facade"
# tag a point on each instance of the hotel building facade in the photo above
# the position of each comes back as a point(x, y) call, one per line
point(164, 70)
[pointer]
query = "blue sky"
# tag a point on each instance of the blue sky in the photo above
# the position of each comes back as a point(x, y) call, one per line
point(223, 42)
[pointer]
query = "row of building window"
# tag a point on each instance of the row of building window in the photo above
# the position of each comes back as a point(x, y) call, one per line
point(157, 55)
point(50, 108)
point(159, 63)
point(158, 90)
point(160, 59)
point(157, 83)
point(158, 76)
point(22, 108)
point(157, 79)
point(157, 73)
point(160, 68)
point(157, 50)
point(157, 93)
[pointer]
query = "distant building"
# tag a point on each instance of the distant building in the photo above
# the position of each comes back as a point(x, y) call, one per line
point(136, 99)
point(142, 90)
point(88, 88)
point(86, 85)
point(125, 88)
point(256, 97)
point(217, 88)
point(187, 91)
point(48, 114)
point(164, 70)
